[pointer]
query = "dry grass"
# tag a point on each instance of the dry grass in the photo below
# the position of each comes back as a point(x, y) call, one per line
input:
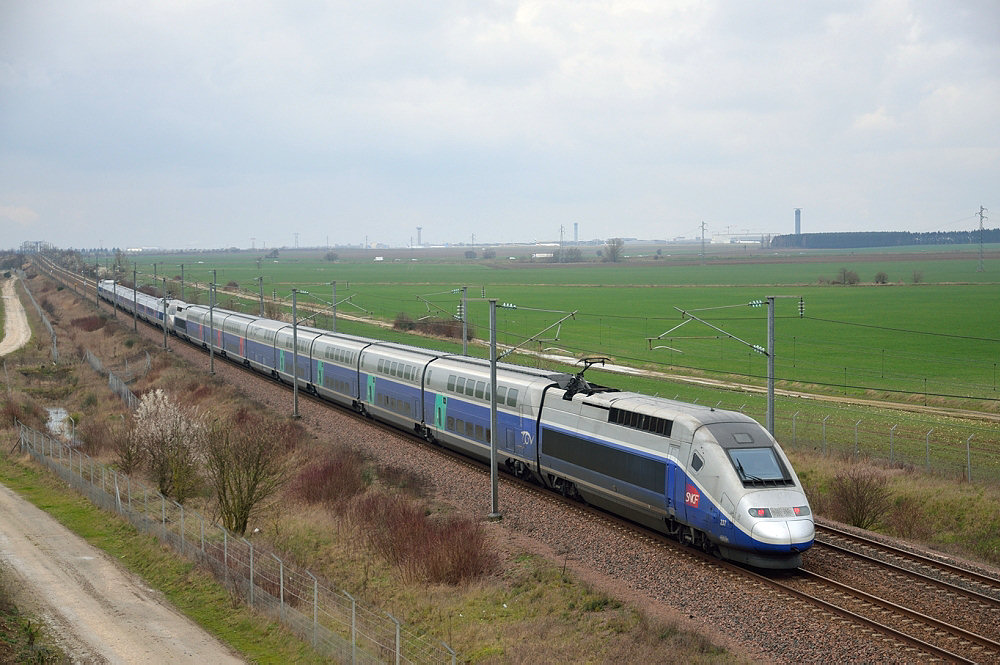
point(950, 515)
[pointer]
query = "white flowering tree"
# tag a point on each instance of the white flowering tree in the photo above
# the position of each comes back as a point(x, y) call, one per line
point(170, 437)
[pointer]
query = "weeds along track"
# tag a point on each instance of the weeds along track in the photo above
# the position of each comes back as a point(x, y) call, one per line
point(872, 619)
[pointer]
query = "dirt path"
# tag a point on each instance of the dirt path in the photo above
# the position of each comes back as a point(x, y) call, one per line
point(16, 329)
point(96, 612)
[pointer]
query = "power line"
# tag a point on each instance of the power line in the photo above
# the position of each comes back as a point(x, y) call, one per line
point(903, 330)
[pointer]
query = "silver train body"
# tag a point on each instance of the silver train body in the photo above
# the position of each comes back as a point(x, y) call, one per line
point(713, 478)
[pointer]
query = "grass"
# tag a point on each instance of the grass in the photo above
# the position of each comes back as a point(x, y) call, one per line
point(192, 591)
point(22, 636)
point(852, 339)
point(954, 517)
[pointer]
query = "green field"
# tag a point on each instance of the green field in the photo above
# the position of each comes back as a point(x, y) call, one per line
point(937, 338)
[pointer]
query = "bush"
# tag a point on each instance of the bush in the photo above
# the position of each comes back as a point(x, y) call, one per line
point(860, 496)
point(332, 480)
point(881, 278)
point(170, 438)
point(331, 256)
point(404, 322)
point(846, 276)
point(89, 323)
point(918, 276)
point(446, 550)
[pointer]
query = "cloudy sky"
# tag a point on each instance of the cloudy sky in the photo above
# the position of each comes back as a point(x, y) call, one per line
point(205, 124)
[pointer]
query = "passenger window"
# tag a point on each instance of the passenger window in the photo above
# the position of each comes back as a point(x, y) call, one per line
point(512, 397)
point(480, 386)
point(470, 388)
point(696, 463)
point(393, 369)
point(380, 365)
point(460, 385)
point(501, 394)
point(451, 383)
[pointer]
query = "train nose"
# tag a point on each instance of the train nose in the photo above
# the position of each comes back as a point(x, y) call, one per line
point(784, 532)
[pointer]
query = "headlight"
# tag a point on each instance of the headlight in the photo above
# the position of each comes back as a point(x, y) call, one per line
point(760, 512)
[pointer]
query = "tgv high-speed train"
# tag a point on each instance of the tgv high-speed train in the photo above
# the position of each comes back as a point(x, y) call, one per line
point(713, 478)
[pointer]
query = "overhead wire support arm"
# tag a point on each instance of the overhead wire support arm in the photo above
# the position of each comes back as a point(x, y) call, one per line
point(756, 347)
point(557, 324)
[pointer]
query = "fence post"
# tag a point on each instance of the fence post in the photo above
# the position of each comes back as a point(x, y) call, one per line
point(281, 586)
point(354, 627)
point(250, 545)
point(794, 416)
point(892, 433)
point(182, 524)
point(928, 449)
point(315, 606)
point(395, 621)
point(968, 457)
point(856, 439)
point(824, 435)
point(225, 552)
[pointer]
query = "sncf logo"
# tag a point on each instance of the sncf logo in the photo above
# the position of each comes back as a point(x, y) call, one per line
point(691, 496)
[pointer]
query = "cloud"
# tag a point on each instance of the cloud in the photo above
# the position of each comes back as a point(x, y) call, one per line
point(876, 121)
point(20, 215)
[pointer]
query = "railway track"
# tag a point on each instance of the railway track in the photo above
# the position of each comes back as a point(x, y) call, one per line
point(909, 631)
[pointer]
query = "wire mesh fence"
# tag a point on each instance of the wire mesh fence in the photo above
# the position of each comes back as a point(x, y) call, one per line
point(970, 453)
point(334, 622)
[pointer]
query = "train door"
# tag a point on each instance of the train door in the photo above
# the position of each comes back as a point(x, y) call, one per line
point(440, 411)
point(371, 388)
point(673, 473)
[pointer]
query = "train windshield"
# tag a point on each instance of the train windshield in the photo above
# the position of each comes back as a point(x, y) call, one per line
point(757, 465)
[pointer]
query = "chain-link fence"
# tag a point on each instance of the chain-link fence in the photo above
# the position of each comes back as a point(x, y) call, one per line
point(957, 451)
point(334, 622)
point(117, 385)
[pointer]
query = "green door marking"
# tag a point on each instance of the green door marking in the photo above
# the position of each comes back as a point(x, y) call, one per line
point(371, 388)
point(440, 407)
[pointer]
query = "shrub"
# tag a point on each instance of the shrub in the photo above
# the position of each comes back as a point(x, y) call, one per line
point(232, 286)
point(332, 480)
point(331, 256)
point(89, 323)
point(881, 278)
point(446, 550)
point(404, 322)
point(846, 276)
point(23, 410)
point(170, 438)
point(918, 276)
point(860, 495)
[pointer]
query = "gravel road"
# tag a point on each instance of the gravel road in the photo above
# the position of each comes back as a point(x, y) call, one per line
point(95, 611)
point(16, 329)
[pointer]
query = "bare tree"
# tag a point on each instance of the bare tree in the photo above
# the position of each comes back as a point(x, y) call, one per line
point(246, 463)
point(613, 250)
